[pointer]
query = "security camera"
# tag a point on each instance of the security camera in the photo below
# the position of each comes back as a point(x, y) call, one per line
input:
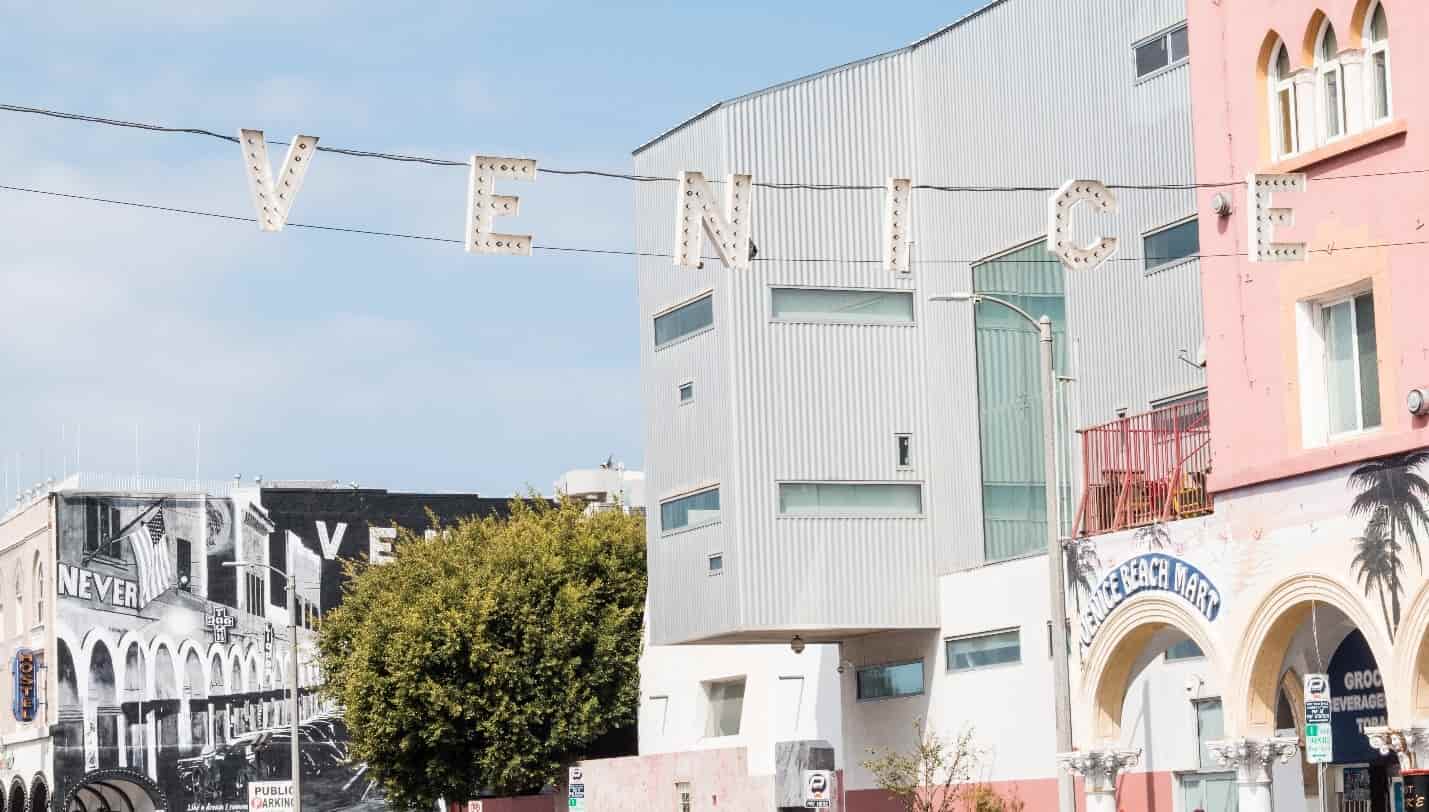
point(844, 665)
point(1418, 402)
point(797, 645)
point(1193, 685)
point(1221, 204)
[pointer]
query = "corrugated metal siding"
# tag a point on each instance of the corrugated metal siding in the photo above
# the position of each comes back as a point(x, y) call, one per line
point(1026, 92)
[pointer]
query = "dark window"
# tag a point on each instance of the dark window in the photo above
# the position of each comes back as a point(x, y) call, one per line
point(1162, 51)
point(101, 522)
point(277, 551)
point(183, 550)
point(254, 586)
point(1170, 244)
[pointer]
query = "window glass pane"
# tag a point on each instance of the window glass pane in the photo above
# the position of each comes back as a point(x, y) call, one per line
point(1368, 351)
point(1210, 726)
point(842, 305)
point(687, 392)
point(1329, 45)
point(1340, 368)
point(1333, 110)
point(684, 320)
point(1379, 25)
point(726, 708)
point(1380, 68)
point(1184, 650)
point(1170, 244)
point(716, 564)
point(882, 681)
point(844, 498)
point(1282, 63)
point(1151, 56)
point(1286, 101)
point(688, 511)
point(1178, 45)
point(984, 650)
point(1010, 398)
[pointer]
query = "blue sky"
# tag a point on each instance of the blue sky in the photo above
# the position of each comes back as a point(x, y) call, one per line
point(391, 363)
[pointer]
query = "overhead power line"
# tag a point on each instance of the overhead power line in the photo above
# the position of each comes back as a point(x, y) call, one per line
point(621, 252)
point(636, 178)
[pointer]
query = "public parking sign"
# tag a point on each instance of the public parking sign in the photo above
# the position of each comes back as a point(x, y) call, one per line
point(1319, 744)
point(264, 795)
point(818, 789)
point(575, 790)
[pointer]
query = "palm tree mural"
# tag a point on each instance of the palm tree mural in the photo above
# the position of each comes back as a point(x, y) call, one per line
point(1377, 566)
point(1082, 563)
point(1154, 536)
point(1392, 494)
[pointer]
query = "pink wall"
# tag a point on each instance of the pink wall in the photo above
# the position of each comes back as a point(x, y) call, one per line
point(1136, 792)
point(719, 779)
point(1252, 369)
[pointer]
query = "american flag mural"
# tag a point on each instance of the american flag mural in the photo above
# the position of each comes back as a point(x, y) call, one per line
point(156, 571)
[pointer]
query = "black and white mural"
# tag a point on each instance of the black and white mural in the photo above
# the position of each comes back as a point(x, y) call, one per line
point(172, 637)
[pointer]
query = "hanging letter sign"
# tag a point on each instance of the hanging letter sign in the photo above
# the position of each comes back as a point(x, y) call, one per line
point(484, 205)
point(1264, 218)
point(1059, 228)
point(272, 200)
point(1145, 573)
point(895, 224)
point(696, 213)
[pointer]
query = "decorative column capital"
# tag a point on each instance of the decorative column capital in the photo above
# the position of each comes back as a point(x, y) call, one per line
point(1407, 743)
point(1099, 767)
point(1251, 758)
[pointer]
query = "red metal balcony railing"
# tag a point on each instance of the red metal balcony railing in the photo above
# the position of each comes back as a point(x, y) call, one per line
point(1146, 468)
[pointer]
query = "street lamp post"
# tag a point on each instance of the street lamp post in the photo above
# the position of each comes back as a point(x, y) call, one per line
point(1055, 570)
point(292, 587)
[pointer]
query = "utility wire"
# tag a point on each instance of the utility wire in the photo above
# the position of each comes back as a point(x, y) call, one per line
point(773, 185)
point(626, 253)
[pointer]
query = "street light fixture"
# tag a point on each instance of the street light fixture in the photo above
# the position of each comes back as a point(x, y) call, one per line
point(1055, 570)
point(292, 588)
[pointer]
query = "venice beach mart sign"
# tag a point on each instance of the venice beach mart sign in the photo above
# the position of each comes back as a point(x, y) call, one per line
point(697, 214)
point(1152, 572)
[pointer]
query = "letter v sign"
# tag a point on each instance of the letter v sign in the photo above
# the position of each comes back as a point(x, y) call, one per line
point(273, 202)
point(330, 544)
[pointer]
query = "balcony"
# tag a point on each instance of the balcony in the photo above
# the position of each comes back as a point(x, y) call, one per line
point(1145, 469)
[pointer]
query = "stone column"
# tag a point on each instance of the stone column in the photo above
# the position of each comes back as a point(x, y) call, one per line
point(1307, 109)
point(1410, 744)
point(1252, 759)
point(1099, 769)
point(1357, 112)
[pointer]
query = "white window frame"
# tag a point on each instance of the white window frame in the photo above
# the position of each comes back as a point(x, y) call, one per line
point(1323, 68)
point(1163, 34)
point(898, 440)
point(711, 570)
point(948, 663)
point(687, 528)
point(1371, 48)
point(680, 393)
point(1282, 84)
point(922, 689)
point(1314, 378)
point(1170, 263)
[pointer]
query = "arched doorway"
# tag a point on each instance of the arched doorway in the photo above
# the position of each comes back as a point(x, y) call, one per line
point(1313, 625)
point(69, 726)
point(196, 698)
point(103, 698)
point(166, 704)
point(218, 697)
point(17, 794)
point(39, 795)
point(137, 734)
point(120, 790)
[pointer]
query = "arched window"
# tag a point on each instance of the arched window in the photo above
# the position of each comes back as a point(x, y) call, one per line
point(1284, 131)
point(20, 599)
point(1376, 37)
point(40, 591)
point(1332, 83)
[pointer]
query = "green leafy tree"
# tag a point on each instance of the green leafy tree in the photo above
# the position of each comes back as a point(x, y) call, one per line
point(488, 657)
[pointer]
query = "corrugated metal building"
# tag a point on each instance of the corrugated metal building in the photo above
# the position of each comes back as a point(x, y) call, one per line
point(1019, 93)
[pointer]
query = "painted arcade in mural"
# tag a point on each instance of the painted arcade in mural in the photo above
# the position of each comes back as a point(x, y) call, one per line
point(159, 673)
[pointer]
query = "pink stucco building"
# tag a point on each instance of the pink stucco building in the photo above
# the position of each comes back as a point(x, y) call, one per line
point(1309, 362)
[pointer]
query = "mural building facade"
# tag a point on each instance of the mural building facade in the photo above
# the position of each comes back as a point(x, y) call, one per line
point(155, 675)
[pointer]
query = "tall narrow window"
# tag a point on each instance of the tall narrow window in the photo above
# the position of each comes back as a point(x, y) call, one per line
point(1009, 393)
point(1351, 364)
point(1210, 726)
point(904, 450)
point(1377, 36)
point(1282, 104)
point(1332, 83)
point(726, 708)
point(684, 796)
